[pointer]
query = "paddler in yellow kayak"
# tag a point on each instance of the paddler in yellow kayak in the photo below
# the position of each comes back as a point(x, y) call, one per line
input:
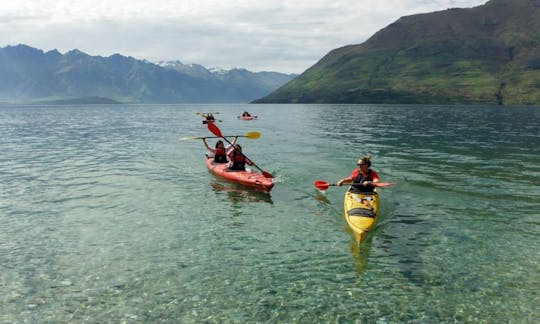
point(362, 178)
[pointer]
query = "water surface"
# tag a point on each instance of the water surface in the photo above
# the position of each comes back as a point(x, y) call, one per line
point(106, 216)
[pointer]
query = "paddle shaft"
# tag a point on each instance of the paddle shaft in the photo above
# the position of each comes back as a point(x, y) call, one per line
point(323, 185)
point(250, 135)
point(376, 184)
point(197, 138)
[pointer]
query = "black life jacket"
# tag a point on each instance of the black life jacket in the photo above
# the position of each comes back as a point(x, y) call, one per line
point(360, 178)
point(238, 161)
point(220, 156)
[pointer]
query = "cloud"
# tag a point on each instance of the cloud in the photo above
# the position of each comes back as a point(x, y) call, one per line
point(271, 35)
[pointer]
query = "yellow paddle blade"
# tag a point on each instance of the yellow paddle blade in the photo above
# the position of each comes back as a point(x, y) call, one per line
point(253, 135)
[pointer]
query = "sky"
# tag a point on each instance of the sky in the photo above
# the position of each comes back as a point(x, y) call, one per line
point(259, 35)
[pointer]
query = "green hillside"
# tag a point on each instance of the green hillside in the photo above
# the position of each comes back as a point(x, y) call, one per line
point(487, 54)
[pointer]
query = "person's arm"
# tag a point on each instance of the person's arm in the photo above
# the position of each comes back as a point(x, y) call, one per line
point(374, 176)
point(208, 147)
point(229, 149)
point(349, 179)
point(344, 181)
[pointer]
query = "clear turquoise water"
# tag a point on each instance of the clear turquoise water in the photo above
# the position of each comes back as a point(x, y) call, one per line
point(106, 216)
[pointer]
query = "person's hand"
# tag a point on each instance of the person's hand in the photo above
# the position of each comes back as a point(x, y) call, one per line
point(339, 183)
point(366, 183)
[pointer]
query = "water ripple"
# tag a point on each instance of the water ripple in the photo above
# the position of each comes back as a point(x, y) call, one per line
point(106, 216)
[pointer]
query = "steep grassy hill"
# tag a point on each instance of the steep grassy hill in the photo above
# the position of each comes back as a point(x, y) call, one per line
point(487, 54)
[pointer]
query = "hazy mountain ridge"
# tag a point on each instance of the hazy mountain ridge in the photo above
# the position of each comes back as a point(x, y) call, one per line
point(487, 54)
point(30, 75)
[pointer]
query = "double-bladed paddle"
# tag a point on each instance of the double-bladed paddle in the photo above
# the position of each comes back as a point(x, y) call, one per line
point(206, 115)
point(323, 185)
point(216, 131)
point(250, 135)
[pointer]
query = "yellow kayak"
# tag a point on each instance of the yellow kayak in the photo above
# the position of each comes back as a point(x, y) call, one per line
point(361, 211)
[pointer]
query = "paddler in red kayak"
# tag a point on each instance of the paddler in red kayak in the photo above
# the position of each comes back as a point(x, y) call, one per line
point(362, 178)
point(209, 118)
point(220, 152)
point(238, 160)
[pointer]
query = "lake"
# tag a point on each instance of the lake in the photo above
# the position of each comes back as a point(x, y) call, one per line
point(108, 215)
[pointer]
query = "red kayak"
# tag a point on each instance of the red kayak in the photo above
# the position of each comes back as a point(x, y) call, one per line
point(249, 178)
point(247, 117)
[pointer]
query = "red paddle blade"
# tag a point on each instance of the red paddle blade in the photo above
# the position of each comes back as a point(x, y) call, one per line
point(384, 184)
point(321, 185)
point(214, 129)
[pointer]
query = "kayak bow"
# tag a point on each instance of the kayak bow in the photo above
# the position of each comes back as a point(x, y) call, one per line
point(361, 211)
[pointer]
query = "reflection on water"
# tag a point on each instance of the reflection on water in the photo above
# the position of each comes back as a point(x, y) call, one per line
point(359, 251)
point(237, 193)
point(320, 196)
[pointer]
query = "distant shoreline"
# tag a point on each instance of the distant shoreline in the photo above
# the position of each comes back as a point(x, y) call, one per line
point(70, 101)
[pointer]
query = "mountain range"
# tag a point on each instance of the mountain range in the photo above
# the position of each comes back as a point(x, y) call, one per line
point(29, 75)
point(489, 54)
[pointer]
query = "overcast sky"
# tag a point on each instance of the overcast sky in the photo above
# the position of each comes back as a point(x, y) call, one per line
point(260, 35)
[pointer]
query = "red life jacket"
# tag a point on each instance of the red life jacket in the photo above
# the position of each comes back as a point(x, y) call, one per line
point(220, 155)
point(360, 178)
point(219, 151)
point(238, 161)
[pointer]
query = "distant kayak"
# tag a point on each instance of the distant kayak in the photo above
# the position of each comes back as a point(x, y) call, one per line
point(249, 178)
point(247, 117)
point(361, 211)
point(208, 117)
